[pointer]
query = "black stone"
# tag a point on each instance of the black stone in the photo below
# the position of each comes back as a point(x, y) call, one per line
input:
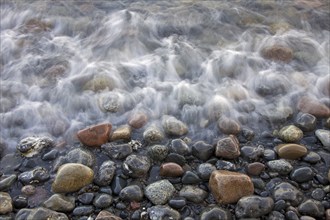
point(202, 150)
point(86, 198)
point(83, 210)
point(177, 203)
point(302, 174)
point(190, 178)
point(180, 147)
point(117, 184)
point(176, 158)
point(20, 202)
point(51, 155)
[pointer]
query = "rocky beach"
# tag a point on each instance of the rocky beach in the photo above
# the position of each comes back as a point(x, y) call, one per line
point(154, 110)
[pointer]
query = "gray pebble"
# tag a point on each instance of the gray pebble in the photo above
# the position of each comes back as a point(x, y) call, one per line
point(291, 215)
point(318, 194)
point(302, 174)
point(193, 193)
point(215, 213)
point(153, 134)
point(136, 165)
point(131, 193)
point(163, 212)
point(190, 177)
point(204, 170)
point(269, 154)
point(180, 147)
point(324, 137)
point(280, 166)
point(117, 184)
point(177, 203)
point(312, 157)
point(159, 192)
point(102, 200)
point(225, 165)
point(158, 152)
point(306, 121)
point(82, 156)
point(86, 198)
point(7, 182)
point(176, 158)
point(83, 210)
point(252, 152)
point(285, 191)
point(253, 206)
point(117, 151)
point(311, 208)
point(105, 173)
point(202, 150)
point(61, 203)
point(37, 175)
point(275, 215)
point(51, 155)
point(39, 213)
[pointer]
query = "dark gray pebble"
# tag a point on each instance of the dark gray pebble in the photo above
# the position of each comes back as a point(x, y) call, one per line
point(117, 184)
point(131, 193)
point(269, 155)
point(258, 183)
point(318, 194)
point(210, 213)
point(280, 205)
point(302, 174)
point(105, 173)
point(287, 192)
point(83, 210)
point(291, 215)
point(82, 156)
point(20, 202)
point(253, 206)
point(7, 182)
point(312, 157)
point(306, 121)
point(275, 215)
point(176, 158)
point(252, 152)
point(86, 198)
point(202, 150)
point(121, 206)
point(193, 193)
point(37, 175)
point(102, 200)
point(225, 165)
point(311, 208)
point(136, 165)
point(190, 177)
point(180, 147)
point(51, 155)
point(204, 170)
point(117, 151)
point(177, 203)
point(163, 212)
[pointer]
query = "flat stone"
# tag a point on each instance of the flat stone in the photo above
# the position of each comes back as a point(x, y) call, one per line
point(95, 136)
point(228, 126)
point(7, 182)
point(312, 208)
point(253, 206)
point(228, 148)
point(290, 134)
point(39, 213)
point(163, 212)
point(313, 107)
point(5, 203)
point(228, 187)
point(159, 192)
point(278, 53)
point(105, 173)
point(255, 168)
point(302, 174)
point(71, 177)
point(281, 166)
point(138, 120)
point(173, 126)
point(202, 150)
point(106, 215)
point(83, 210)
point(136, 165)
point(121, 133)
point(287, 192)
point(171, 169)
point(193, 193)
point(324, 137)
point(291, 151)
point(61, 203)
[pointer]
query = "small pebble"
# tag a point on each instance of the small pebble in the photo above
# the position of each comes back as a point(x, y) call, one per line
point(102, 200)
point(131, 193)
point(302, 174)
point(281, 166)
point(193, 193)
point(255, 168)
point(311, 208)
point(180, 147)
point(171, 170)
point(159, 192)
point(202, 150)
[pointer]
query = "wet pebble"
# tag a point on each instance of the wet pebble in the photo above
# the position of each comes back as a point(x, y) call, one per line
point(171, 170)
point(306, 122)
point(173, 126)
point(28, 190)
point(180, 147)
point(291, 151)
point(269, 154)
point(275, 215)
point(102, 200)
point(318, 194)
point(225, 165)
point(278, 53)
point(287, 192)
point(313, 107)
point(177, 203)
point(252, 152)
point(61, 203)
point(86, 198)
point(281, 166)
point(302, 174)
point(5, 203)
point(106, 215)
point(121, 133)
point(253, 206)
point(83, 210)
point(31, 146)
point(202, 150)
point(255, 168)
point(105, 173)
point(136, 165)
point(291, 215)
point(204, 170)
point(39, 213)
point(324, 137)
point(280, 205)
point(176, 158)
point(193, 193)
point(312, 157)
point(163, 212)
point(131, 193)
point(158, 152)
point(228, 148)
point(190, 177)
point(7, 181)
point(138, 120)
point(228, 126)
point(82, 156)
point(153, 134)
point(117, 151)
point(37, 175)
point(95, 135)
point(159, 192)
point(117, 184)
point(51, 155)
point(20, 202)
point(311, 208)
point(290, 134)
point(215, 213)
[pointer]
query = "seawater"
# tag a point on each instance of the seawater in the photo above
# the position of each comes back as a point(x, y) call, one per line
point(65, 65)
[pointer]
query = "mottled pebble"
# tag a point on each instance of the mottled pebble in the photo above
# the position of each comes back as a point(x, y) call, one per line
point(291, 151)
point(324, 137)
point(253, 206)
point(225, 165)
point(281, 166)
point(39, 213)
point(177, 203)
point(173, 126)
point(228, 187)
point(106, 215)
point(131, 193)
point(61, 203)
point(82, 156)
point(83, 210)
point(5, 203)
point(215, 213)
point(204, 170)
point(31, 146)
point(159, 192)
point(311, 208)
point(153, 134)
point(117, 151)
point(95, 135)
point(278, 53)
point(193, 193)
point(202, 150)
point(228, 126)
point(136, 165)
point(228, 148)
point(312, 157)
point(121, 133)
point(190, 177)
point(158, 152)
point(290, 134)
point(302, 174)
point(105, 173)
point(102, 200)
point(37, 175)
point(163, 212)
point(7, 182)
point(171, 170)
point(287, 192)
point(306, 122)
point(180, 147)
point(255, 168)
point(252, 152)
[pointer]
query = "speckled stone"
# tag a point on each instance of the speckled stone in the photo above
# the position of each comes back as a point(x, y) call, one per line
point(173, 126)
point(291, 151)
point(228, 148)
point(158, 152)
point(105, 173)
point(171, 170)
point(159, 192)
point(153, 134)
point(215, 213)
point(311, 208)
point(117, 151)
point(95, 136)
point(290, 134)
point(281, 166)
point(136, 165)
point(131, 193)
point(193, 193)
point(228, 187)
point(253, 206)
point(163, 212)
point(287, 192)
point(5, 203)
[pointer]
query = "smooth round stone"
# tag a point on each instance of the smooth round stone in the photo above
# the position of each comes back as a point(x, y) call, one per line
point(193, 193)
point(228, 148)
point(278, 53)
point(204, 170)
point(215, 213)
point(171, 170)
point(136, 165)
point(102, 200)
point(117, 184)
point(311, 208)
point(253, 206)
point(39, 213)
point(121, 133)
point(290, 134)
point(37, 175)
point(313, 107)
point(252, 153)
point(5, 203)
point(228, 126)
point(153, 134)
point(95, 135)
point(71, 177)
point(176, 158)
point(291, 215)
point(180, 147)
point(177, 203)
point(163, 212)
point(30, 146)
point(83, 210)
point(306, 122)
point(225, 165)
point(281, 166)
point(61, 203)
point(312, 157)
point(82, 156)
point(117, 151)
point(51, 155)
point(324, 137)
point(173, 126)
point(318, 194)
point(138, 120)
point(86, 198)
point(28, 190)
point(291, 151)
point(269, 155)
point(131, 193)
point(287, 192)
point(159, 192)
point(105, 173)
point(190, 177)
point(106, 215)
point(202, 150)
point(20, 202)
point(255, 168)
point(7, 182)
point(158, 152)
point(302, 174)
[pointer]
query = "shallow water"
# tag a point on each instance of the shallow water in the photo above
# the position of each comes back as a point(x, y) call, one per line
point(66, 65)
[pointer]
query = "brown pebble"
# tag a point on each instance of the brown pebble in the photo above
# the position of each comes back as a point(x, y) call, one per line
point(105, 215)
point(95, 136)
point(255, 168)
point(228, 148)
point(28, 190)
point(121, 133)
point(278, 53)
point(291, 151)
point(138, 120)
point(228, 126)
point(313, 107)
point(171, 169)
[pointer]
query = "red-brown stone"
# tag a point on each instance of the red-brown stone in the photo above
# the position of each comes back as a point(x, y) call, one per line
point(255, 168)
point(313, 107)
point(171, 169)
point(105, 215)
point(278, 53)
point(138, 120)
point(95, 136)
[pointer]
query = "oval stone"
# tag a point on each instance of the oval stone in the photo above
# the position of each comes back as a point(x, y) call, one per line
point(291, 151)
point(171, 170)
point(290, 134)
point(95, 136)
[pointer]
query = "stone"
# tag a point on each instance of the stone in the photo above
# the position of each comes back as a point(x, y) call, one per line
point(228, 148)
point(86, 198)
point(39, 213)
point(131, 193)
point(37, 175)
point(171, 170)
point(51, 155)
point(254, 206)
point(190, 177)
point(314, 107)
point(83, 210)
point(163, 212)
point(306, 121)
point(99, 82)
point(82, 156)
point(105, 173)
point(177, 203)
point(71, 177)
point(312, 157)
point(287, 192)
point(318, 194)
point(95, 135)
point(158, 152)
point(228, 187)
point(225, 165)
point(327, 214)
point(102, 200)
point(280, 166)
point(153, 134)
point(215, 213)
point(136, 165)
point(20, 202)
point(7, 182)
point(290, 134)
point(228, 126)
point(176, 158)
point(277, 53)
point(159, 192)
point(302, 174)
point(180, 147)
point(117, 184)
point(275, 215)
point(28, 190)
point(117, 151)
point(204, 170)
point(121, 133)
point(31, 146)
point(193, 193)
point(60, 203)
point(324, 137)
point(202, 150)
point(173, 126)
point(312, 208)
point(255, 168)
point(5, 203)
point(253, 152)
point(138, 120)
point(291, 151)
point(106, 215)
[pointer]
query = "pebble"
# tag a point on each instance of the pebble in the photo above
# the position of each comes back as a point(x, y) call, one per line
point(193, 193)
point(51, 155)
point(159, 192)
point(105, 173)
point(136, 165)
point(253, 207)
point(158, 152)
point(163, 212)
point(117, 184)
point(287, 192)
point(95, 135)
point(280, 166)
point(173, 126)
point(171, 169)
point(5, 203)
point(275, 215)
point(255, 168)
point(291, 215)
point(180, 147)
point(280, 205)
point(306, 122)
point(86, 198)
point(202, 150)
point(215, 213)
point(228, 126)
point(290, 134)
point(28, 190)
point(31, 146)
point(291, 151)
point(228, 187)
point(225, 165)
point(39, 213)
point(312, 208)
point(302, 174)
point(60, 203)
point(153, 134)
point(37, 175)
point(228, 148)
point(71, 177)
point(313, 107)
point(252, 152)
point(318, 194)
point(102, 200)
point(204, 170)
point(106, 215)
point(121, 133)
point(190, 177)
point(131, 193)
point(82, 156)
point(278, 53)
point(177, 203)
point(138, 120)
point(20, 202)
point(312, 157)
point(176, 158)
point(327, 214)
point(83, 210)
point(324, 137)
point(7, 182)
point(117, 151)
point(269, 155)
